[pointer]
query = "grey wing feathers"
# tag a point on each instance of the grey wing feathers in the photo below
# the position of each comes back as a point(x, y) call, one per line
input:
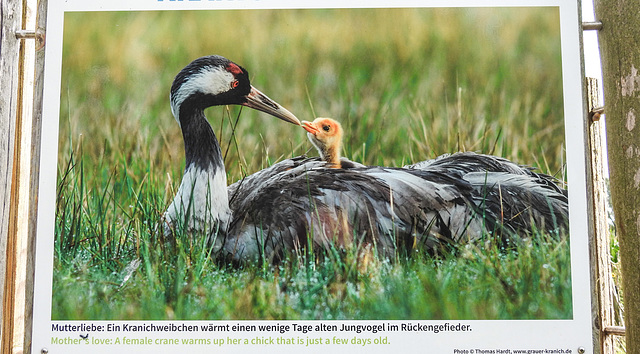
point(454, 199)
point(385, 207)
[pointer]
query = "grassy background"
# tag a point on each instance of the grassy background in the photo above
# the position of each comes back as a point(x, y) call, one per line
point(407, 85)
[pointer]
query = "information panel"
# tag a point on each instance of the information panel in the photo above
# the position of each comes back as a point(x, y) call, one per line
point(447, 247)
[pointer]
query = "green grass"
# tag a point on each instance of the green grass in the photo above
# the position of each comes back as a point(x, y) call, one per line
point(484, 285)
point(120, 270)
point(406, 84)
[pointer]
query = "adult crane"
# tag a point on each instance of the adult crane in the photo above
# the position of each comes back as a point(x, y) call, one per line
point(299, 202)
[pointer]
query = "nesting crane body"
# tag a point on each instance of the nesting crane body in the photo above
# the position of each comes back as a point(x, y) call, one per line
point(301, 203)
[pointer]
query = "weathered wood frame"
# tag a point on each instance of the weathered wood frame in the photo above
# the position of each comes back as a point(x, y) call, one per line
point(22, 66)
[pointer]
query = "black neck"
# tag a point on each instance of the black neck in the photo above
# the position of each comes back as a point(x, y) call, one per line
point(201, 146)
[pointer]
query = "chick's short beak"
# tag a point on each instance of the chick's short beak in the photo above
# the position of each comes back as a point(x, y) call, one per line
point(310, 127)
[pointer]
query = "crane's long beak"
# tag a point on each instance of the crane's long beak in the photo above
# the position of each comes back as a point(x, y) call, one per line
point(309, 127)
point(259, 101)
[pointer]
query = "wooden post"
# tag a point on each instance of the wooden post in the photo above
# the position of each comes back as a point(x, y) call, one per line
point(604, 289)
point(36, 126)
point(620, 63)
point(592, 205)
point(20, 144)
point(9, 52)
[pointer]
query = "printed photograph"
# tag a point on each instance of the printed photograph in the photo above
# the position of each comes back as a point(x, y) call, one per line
point(312, 164)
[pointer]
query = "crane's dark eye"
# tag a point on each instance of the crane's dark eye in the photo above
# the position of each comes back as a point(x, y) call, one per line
point(326, 128)
point(234, 84)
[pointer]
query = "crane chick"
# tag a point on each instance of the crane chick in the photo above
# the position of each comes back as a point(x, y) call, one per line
point(326, 135)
